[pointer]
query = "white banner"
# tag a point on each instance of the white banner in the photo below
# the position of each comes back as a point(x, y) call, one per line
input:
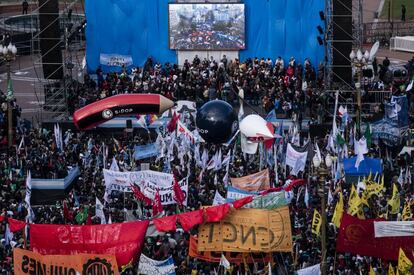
point(148, 181)
point(115, 60)
point(150, 266)
point(394, 229)
point(296, 160)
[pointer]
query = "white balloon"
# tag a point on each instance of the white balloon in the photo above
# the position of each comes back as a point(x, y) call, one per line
point(255, 128)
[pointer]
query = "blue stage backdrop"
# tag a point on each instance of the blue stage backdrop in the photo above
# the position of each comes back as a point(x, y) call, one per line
point(139, 28)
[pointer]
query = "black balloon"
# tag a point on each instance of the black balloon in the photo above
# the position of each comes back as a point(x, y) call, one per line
point(216, 121)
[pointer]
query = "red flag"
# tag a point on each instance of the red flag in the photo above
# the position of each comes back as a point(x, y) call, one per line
point(179, 196)
point(166, 224)
point(358, 237)
point(190, 219)
point(68, 215)
point(242, 202)
point(216, 213)
point(172, 125)
point(15, 225)
point(124, 240)
point(2, 218)
point(140, 196)
point(156, 204)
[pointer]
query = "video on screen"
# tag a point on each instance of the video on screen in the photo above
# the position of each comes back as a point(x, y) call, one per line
point(207, 26)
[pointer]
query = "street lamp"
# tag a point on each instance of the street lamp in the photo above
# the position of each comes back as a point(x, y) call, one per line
point(360, 60)
point(8, 54)
point(322, 169)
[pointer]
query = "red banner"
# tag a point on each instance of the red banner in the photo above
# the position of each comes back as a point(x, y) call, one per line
point(124, 240)
point(358, 237)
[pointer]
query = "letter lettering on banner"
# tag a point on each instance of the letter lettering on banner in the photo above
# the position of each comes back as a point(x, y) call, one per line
point(28, 262)
point(232, 257)
point(124, 240)
point(254, 182)
point(148, 181)
point(248, 230)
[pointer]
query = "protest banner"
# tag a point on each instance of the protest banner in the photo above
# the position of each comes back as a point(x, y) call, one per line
point(248, 230)
point(124, 240)
point(28, 262)
point(358, 237)
point(232, 257)
point(145, 151)
point(234, 194)
point(254, 182)
point(148, 181)
point(150, 266)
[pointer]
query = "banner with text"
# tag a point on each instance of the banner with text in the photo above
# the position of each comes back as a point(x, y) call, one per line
point(115, 60)
point(148, 181)
point(247, 230)
point(28, 262)
point(253, 183)
point(124, 240)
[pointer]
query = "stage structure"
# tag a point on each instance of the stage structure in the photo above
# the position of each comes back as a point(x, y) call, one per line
point(52, 34)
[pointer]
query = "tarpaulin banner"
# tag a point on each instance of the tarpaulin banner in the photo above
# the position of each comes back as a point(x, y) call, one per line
point(145, 151)
point(254, 182)
point(232, 257)
point(28, 262)
point(148, 181)
point(247, 230)
point(115, 60)
point(150, 266)
point(358, 237)
point(124, 240)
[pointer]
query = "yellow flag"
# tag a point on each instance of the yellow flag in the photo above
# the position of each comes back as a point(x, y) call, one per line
point(339, 210)
point(316, 222)
point(355, 204)
point(371, 271)
point(394, 202)
point(406, 213)
point(404, 264)
point(391, 270)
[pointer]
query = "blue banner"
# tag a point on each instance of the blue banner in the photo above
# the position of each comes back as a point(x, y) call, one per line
point(145, 151)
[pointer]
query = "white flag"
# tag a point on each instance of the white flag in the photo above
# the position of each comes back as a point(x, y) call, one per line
point(311, 270)
point(114, 165)
point(224, 262)
point(218, 199)
point(99, 212)
point(28, 188)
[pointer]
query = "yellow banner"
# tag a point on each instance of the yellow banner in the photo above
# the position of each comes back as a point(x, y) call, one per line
point(28, 262)
point(316, 223)
point(253, 182)
point(248, 230)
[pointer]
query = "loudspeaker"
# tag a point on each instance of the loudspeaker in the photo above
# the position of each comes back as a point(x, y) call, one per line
point(342, 40)
point(50, 42)
point(129, 124)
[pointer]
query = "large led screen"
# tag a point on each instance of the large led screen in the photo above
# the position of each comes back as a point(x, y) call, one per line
point(207, 26)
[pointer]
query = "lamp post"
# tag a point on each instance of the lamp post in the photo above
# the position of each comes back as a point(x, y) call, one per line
point(359, 61)
point(323, 173)
point(8, 54)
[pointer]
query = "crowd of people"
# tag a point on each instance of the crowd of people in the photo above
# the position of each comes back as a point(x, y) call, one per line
point(286, 87)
